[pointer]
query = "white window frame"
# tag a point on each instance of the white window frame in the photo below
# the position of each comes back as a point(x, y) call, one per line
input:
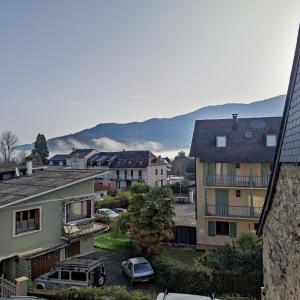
point(222, 145)
point(79, 220)
point(27, 232)
point(271, 136)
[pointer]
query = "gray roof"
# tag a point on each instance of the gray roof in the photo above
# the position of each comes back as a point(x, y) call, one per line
point(239, 147)
point(288, 149)
point(124, 159)
point(58, 157)
point(80, 152)
point(40, 182)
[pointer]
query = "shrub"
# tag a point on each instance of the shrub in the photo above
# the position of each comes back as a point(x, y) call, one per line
point(104, 293)
point(140, 188)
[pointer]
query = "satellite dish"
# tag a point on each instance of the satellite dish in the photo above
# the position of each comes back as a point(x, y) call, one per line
point(17, 172)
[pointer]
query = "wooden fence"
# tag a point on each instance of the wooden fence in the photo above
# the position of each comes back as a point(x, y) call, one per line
point(7, 288)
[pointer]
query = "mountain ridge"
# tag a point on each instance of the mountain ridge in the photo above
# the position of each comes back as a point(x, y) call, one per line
point(158, 134)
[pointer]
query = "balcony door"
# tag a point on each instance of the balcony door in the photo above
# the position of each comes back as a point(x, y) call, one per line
point(222, 202)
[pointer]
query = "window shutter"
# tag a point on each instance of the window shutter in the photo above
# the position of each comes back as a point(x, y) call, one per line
point(232, 229)
point(37, 218)
point(211, 228)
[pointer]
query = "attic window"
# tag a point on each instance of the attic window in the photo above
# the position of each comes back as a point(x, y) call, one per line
point(271, 140)
point(221, 141)
point(248, 135)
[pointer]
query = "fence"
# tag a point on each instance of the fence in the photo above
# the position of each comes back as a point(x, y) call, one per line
point(7, 288)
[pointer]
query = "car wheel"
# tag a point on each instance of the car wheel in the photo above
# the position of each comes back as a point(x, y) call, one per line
point(99, 279)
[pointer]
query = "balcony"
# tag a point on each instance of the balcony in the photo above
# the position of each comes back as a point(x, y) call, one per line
point(233, 211)
point(237, 181)
point(81, 229)
point(127, 177)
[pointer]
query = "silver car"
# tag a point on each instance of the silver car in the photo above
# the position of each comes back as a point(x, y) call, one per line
point(138, 269)
point(73, 273)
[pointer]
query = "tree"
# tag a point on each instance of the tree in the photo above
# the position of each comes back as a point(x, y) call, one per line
point(40, 150)
point(150, 223)
point(183, 165)
point(8, 144)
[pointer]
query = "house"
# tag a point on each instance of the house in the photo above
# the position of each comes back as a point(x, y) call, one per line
point(128, 167)
point(233, 161)
point(45, 217)
point(78, 158)
point(279, 224)
point(58, 160)
point(175, 179)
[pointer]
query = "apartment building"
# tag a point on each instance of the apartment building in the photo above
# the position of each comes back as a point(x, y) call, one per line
point(128, 167)
point(233, 162)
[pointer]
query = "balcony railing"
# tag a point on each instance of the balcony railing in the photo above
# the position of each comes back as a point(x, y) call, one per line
point(237, 181)
point(127, 177)
point(81, 229)
point(233, 211)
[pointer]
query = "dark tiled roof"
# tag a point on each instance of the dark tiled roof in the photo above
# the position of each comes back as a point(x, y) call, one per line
point(80, 152)
point(239, 148)
point(58, 157)
point(123, 159)
point(288, 149)
point(40, 182)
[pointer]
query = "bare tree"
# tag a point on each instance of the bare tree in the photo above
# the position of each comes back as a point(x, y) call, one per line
point(8, 144)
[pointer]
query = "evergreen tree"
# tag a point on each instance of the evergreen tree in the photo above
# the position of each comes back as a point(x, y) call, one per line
point(40, 150)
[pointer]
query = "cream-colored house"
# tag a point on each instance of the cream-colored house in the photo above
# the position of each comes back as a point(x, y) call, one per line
point(128, 167)
point(233, 163)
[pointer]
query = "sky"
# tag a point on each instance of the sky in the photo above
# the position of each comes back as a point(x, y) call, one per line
point(67, 65)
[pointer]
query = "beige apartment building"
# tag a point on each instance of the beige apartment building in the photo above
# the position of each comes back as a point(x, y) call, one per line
point(233, 163)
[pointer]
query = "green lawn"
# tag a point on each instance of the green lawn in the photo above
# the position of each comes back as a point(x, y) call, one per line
point(180, 256)
point(106, 241)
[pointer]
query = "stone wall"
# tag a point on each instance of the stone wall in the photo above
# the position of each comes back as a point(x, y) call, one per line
point(281, 238)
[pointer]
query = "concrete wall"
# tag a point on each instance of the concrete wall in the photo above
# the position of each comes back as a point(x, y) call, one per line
point(281, 238)
point(51, 220)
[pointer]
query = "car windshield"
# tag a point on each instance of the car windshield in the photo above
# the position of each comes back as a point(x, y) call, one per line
point(109, 212)
point(141, 268)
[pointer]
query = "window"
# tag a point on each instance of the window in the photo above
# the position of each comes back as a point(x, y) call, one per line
point(27, 220)
point(118, 173)
point(161, 171)
point(255, 226)
point(54, 275)
point(78, 210)
point(125, 173)
point(271, 140)
point(140, 173)
point(222, 228)
point(156, 172)
point(238, 166)
point(131, 173)
point(221, 141)
point(238, 193)
point(78, 276)
point(221, 169)
point(65, 275)
point(248, 135)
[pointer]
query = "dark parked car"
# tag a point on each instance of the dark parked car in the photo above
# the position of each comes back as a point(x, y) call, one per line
point(138, 269)
point(119, 210)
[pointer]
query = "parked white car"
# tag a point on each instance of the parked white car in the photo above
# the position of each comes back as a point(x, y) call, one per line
point(175, 296)
point(138, 269)
point(106, 212)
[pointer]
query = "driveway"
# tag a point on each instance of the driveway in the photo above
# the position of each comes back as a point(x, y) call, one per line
point(114, 275)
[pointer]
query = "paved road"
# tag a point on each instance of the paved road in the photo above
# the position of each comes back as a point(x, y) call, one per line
point(114, 274)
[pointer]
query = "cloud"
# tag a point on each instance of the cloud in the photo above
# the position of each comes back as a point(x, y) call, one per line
point(138, 97)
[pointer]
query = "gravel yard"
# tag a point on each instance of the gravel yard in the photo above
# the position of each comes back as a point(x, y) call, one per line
point(114, 274)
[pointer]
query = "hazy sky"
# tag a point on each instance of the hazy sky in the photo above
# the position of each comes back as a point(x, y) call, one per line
point(69, 65)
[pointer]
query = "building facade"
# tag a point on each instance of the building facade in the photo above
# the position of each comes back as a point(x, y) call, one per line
point(128, 167)
point(45, 217)
point(279, 224)
point(233, 161)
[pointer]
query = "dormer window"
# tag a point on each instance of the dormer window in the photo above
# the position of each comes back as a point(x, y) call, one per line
point(271, 140)
point(221, 141)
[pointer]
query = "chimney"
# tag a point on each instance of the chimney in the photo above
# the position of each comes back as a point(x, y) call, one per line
point(29, 165)
point(234, 121)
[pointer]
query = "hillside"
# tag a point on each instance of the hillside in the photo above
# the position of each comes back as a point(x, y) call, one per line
point(158, 134)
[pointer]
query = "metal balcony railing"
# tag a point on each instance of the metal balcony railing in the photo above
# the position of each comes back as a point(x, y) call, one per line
point(127, 177)
point(237, 181)
point(233, 211)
